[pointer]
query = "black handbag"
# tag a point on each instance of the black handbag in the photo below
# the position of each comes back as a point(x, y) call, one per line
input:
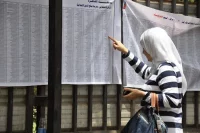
point(146, 120)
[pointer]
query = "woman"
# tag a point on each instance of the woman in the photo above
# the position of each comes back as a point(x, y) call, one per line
point(165, 76)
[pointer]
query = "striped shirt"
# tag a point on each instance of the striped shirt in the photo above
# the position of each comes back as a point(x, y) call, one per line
point(166, 81)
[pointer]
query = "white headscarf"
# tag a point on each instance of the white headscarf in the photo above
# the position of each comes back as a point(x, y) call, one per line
point(161, 48)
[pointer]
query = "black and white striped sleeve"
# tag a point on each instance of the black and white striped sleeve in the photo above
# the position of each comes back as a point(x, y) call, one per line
point(142, 69)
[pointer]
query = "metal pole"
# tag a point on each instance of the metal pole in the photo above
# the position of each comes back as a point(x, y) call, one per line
point(10, 110)
point(186, 7)
point(198, 8)
point(173, 6)
point(55, 61)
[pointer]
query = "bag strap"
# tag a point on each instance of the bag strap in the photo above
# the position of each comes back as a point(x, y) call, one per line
point(154, 101)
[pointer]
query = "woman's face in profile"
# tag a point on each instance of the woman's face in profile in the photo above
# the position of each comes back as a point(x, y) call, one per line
point(148, 56)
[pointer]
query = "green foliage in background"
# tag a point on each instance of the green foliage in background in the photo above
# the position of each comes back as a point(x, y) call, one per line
point(34, 113)
point(190, 1)
point(34, 119)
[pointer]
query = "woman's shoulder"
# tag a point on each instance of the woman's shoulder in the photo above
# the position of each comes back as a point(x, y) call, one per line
point(168, 67)
point(166, 63)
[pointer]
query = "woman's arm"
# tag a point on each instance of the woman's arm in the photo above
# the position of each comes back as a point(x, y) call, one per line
point(140, 67)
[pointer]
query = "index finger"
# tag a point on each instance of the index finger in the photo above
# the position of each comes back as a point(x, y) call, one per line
point(112, 39)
